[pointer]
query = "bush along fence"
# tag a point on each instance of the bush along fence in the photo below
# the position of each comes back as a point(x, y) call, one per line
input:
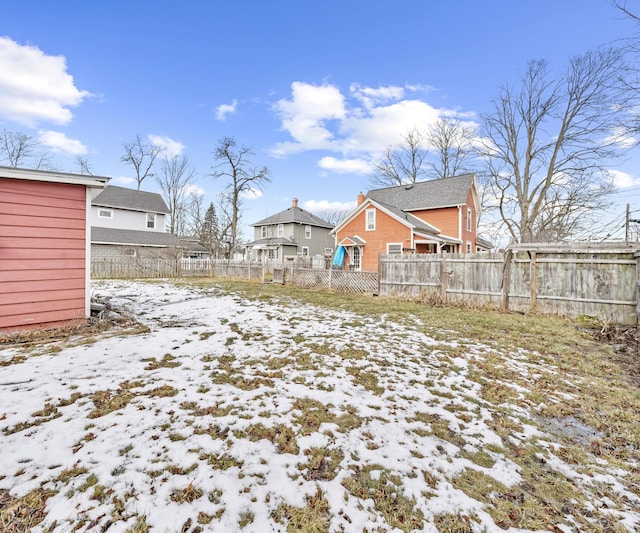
point(598, 280)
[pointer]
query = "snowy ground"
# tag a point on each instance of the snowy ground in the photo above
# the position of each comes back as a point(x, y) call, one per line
point(254, 415)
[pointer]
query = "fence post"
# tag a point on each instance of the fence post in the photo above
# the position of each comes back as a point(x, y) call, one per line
point(506, 279)
point(637, 256)
point(330, 275)
point(445, 278)
point(533, 281)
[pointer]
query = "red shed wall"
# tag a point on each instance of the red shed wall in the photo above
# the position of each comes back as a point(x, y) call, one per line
point(42, 253)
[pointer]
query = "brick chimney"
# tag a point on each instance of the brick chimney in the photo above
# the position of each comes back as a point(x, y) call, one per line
point(294, 202)
point(360, 198)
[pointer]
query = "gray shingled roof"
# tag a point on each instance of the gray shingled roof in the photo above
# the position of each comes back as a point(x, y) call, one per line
point(276, 241)
point(418, 224)
point(123, 198)
point(294, 215)
point(426, 194)
point(141, 238)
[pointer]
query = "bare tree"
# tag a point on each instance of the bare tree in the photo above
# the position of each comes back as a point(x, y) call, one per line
point(176, 174)
point(451, 143)
point(547, 142)
point(17, 149)
point(83, 165)
point(333, 216)
point(234, 164)
point(141, 156)
point(402, 164)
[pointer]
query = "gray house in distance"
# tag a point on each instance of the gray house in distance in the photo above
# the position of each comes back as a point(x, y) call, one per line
point(290, 234)
point(131, 223)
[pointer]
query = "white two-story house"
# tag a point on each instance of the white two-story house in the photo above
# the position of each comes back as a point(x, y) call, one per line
point(131, 223)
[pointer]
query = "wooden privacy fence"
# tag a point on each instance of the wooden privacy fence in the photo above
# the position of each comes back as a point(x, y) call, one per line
point(131, 268)
point(593, 280)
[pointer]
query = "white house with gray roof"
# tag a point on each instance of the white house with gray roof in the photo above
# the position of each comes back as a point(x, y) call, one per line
point(131, 223)
point(290, 234)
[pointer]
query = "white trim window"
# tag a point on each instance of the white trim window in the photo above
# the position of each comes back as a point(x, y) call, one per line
point(105, 213)
point(328, 251)
point(469, 219)
point(305, 251)
point(263, 232)
point(151, 221)
point(394, 248)
point(468, 247)
point(370, 224)
point(356, 257)
point(307, 232)
point(281, 230)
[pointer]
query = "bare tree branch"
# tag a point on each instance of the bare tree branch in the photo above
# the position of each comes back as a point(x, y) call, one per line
point(141, 156)
point(243, 177)
point(547, 143)
point(176, 174)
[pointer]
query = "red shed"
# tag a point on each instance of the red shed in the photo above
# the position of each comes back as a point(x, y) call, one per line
point(44, 247)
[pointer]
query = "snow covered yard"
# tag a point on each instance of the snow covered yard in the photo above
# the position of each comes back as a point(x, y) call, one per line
point(257, 414)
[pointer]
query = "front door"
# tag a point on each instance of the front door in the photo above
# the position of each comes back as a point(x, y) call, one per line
point(355, 258)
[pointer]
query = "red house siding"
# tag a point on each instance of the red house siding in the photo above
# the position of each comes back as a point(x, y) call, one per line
point(42, 253)
point(387, 230)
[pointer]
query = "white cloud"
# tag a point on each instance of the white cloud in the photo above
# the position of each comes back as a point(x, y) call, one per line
point(345, 166)
point(59, 142)
point(122, 180)
point(194, 190)
point(371, 97)
point(251, 194)
point(306, 114)
point(226, 109)
point(324, 206)
point(35, 87)
point(360, 125)
point(169, 146)
point(622, 180)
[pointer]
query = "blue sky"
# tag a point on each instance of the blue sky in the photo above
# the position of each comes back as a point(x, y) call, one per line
point(318, 89)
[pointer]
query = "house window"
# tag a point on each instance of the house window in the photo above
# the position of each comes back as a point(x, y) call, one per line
point(151, 221)
point(371, 220)
point(305, 251)
point(328, 251)
point(130, 252)
point(468, 247)
point(394, 248)
point(105, 213)
point(280, 230)
point(263, 232)
point(307, 232)
point(469, 220)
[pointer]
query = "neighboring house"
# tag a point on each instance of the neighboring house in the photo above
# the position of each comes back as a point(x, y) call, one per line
point(425, 217)
point(291, 233)
point(131, 223)
point(44, 247)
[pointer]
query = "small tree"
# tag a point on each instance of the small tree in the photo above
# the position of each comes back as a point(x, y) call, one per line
point(141, 156)
point(176, 174)
point(209, 231)
point(235, 165)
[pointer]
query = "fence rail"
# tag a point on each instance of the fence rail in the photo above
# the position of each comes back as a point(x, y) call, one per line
point(291, 274)
point(599, 281)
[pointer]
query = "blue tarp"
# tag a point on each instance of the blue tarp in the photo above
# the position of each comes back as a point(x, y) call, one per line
point(338, 259)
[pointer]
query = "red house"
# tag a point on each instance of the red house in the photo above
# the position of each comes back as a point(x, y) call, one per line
point(425, 217)
point(44, 247)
